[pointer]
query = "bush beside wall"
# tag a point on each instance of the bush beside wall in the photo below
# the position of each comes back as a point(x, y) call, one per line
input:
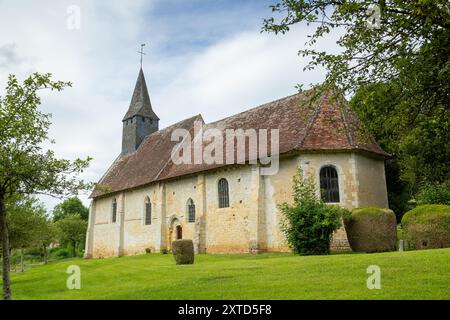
point(371, 230)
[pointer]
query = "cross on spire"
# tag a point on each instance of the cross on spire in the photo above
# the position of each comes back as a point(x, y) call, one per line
point(142, 52)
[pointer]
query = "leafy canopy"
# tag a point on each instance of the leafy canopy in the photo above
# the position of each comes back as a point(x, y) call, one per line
point(26, 218)
point(69, 207)
point(72, 229)
point(25, 167)
point(398, 68)
point(405, 32)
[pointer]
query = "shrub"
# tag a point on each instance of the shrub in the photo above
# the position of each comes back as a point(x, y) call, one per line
point(435, 194)
point(309, 223)
point(34, 251)
point(148, 250)
point(164, 251)
point(427, 226)
point(61, 253)
point(183, 251)
point(371, 230)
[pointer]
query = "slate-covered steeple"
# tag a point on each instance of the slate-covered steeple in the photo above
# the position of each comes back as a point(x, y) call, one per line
point(140, 119)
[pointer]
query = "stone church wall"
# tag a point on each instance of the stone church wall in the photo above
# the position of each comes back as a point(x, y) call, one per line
point(250, 224)
point(229, 229)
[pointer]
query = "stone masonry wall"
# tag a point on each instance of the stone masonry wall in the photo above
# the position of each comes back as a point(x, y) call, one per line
point(250, 224)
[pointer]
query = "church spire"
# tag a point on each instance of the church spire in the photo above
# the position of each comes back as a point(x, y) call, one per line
point(140, 119)
point(140, 102)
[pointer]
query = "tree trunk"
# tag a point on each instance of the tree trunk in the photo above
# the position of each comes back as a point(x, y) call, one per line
point(45, 254)
point(74, 249)
point(22, 265)
point(5, 251)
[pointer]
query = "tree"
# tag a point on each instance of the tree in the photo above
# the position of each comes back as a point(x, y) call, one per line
point(419, 148)
point(24, 216)
point(398, 68)
point(46, 235)
point(406, 33)
point(72, 229)
point(309, 222)
point(25, 166)
point(69, 207)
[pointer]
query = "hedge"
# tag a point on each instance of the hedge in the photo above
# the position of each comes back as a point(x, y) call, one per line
point(371, 230)
point(183, 251)
point(427, 227)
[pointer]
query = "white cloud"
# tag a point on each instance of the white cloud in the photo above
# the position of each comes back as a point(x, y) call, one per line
point(240, 70)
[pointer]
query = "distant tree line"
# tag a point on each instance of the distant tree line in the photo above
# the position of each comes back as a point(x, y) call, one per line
point(34, 233)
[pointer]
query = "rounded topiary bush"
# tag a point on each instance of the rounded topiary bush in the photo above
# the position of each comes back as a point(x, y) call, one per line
point(183, 251)
point(427, 226)
point(371, 230)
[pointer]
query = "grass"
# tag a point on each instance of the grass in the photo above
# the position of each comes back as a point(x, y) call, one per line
point(404, 275)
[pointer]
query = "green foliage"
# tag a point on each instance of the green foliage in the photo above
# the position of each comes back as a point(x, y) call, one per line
point(438, 193)
point(69, 207)
point(371, 229)
point(183, 251)
point(72, 229)
point(399, 72)
point(26, 166)
point(61, 253)
point(309, 223)
point(411, 35)
point(427, 226)
point(26, 217)
point(424, 213)
point(417, 141)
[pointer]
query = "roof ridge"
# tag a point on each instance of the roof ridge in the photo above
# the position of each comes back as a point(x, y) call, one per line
point(173, 125)
point(261, 106)
point(346, 125)
point(300, 118)
point(312, 121)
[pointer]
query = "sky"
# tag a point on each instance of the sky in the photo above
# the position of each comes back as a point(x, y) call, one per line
point(205, 57)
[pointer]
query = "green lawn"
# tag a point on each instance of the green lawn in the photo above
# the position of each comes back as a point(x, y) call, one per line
point(404, 275)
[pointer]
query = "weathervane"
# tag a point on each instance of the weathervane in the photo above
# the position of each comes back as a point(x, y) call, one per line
point(142, 52)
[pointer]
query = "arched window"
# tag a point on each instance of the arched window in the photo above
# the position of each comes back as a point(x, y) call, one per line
point(191, 210)
point(114, 211)
point(224, 201)
point(329, 184)
point(148, 211)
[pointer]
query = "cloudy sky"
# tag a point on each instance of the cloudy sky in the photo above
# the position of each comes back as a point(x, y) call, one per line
point(203, 56)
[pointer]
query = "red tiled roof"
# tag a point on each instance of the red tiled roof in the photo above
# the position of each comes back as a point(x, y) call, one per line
point(325, 125)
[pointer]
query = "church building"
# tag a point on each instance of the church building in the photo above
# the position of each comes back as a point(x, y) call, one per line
point(145, 200)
